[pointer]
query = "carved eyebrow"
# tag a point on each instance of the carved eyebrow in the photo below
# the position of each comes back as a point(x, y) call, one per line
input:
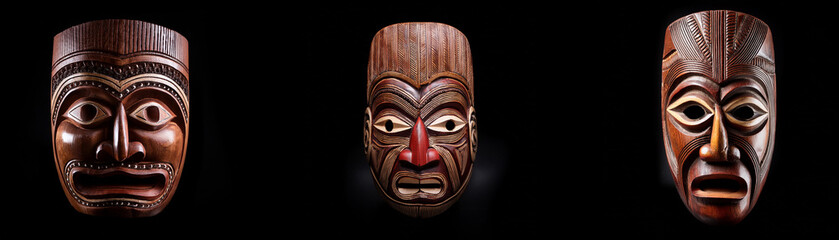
point(395, 85)
point(687, 89)
point(393, 93)
point(739, 85)
point(395, 98)
point(441, 89)
point(693, 83)
point(444, 98)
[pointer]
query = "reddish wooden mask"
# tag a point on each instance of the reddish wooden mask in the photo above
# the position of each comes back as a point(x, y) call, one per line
point(718, 111)
point(120, 115)
point(420, 131)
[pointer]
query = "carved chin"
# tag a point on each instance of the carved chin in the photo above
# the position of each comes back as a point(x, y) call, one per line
point(119, 189)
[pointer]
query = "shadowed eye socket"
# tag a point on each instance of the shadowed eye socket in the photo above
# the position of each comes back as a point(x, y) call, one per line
point(447, 124)
point(746, 112)
point(391, 124)
point(690, 111)
point(152, 113)
point(87, 113)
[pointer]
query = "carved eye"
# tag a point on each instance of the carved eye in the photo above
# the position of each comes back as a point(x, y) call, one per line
point(690, 110)
point(152, 113)
point(746, 112)
point(391, 124)
point(87, 113)
point(743, 113)
point(447, 124)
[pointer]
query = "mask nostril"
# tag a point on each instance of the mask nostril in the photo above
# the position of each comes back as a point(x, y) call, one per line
point(734, 154)
point(136, 152)
point(709, 154)
point(410, 165)
point(105, 152)
point(727, 154)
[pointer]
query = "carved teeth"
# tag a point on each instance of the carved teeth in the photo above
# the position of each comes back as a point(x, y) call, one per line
point(430, 185)
point(410, 185)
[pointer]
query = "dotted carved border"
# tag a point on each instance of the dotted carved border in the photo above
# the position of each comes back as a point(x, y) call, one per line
point(113, 203)
point(121, 72)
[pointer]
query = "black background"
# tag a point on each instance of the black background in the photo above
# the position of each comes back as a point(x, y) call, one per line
point(567, 99)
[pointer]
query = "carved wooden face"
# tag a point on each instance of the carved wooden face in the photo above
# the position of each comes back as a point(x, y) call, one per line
point(120, 127)
point(420, 130)
point(718, 111)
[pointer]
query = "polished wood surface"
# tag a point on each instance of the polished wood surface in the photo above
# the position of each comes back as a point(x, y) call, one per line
point(718, 111)
point(420, 132)
point(120, 115)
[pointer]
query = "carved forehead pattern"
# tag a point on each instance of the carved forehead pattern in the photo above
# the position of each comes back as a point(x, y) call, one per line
point(418, 53)
point(720, 45)
point(120, 56)
point(120, 72)
point(121, 38)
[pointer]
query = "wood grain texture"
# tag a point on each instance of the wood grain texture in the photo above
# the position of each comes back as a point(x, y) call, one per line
point(121, 37)
point(420, 121)
point(726, 58)
point(120, 115)
point(418, 51)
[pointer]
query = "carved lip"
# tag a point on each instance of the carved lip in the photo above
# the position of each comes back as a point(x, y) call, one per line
point(412, 186)
point(719, 186)
point(119, 184)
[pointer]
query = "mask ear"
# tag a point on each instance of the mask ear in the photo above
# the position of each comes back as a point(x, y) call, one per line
point(473, 133)
point(368, 116)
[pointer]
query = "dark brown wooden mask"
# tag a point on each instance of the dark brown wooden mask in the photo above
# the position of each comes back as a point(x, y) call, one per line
point(120, 115)
point(718, 111)
point(420, 131)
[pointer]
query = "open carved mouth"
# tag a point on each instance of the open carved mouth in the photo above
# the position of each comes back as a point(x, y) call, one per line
point(719, 186)
point(410, 186)
point(119, 184)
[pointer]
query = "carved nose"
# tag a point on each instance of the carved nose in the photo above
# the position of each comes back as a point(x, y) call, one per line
point(419, 153)
point(718, 149)
point(119, 148)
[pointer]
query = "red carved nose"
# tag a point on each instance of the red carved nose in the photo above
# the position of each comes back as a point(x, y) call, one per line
point(419, 153)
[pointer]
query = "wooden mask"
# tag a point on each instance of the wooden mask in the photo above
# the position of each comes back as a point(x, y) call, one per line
point(420, 130)
point(718, 111)
point(120, 115)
